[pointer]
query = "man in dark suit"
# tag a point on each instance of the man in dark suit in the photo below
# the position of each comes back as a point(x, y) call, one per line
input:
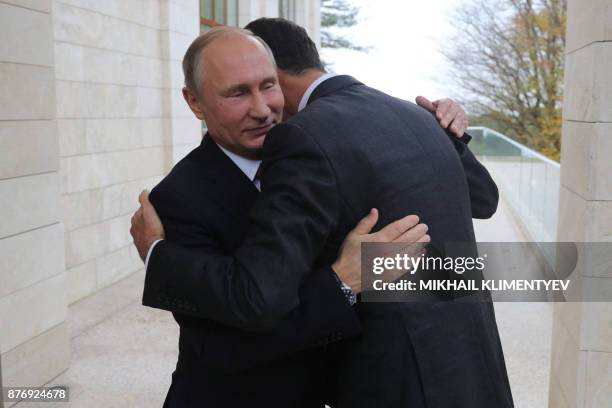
point(204, 204)
point(351, 149)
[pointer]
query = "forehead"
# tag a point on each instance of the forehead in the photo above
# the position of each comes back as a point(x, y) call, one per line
point(236, 59)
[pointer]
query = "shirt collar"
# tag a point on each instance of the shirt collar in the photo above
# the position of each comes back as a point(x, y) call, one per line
point(248, 166)
point(311, 89)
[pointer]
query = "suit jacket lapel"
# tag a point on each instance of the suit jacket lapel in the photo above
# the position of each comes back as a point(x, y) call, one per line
point(227, 184)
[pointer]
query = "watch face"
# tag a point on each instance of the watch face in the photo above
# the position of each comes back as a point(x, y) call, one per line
point(348, 294)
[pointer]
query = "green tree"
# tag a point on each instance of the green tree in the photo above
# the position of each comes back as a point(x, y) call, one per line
point(338, 14)
point(508, 58)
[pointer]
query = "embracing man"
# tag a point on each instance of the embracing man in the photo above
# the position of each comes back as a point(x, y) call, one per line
point(239, 283)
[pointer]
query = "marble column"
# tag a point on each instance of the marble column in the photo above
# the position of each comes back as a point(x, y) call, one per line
point(581, 366)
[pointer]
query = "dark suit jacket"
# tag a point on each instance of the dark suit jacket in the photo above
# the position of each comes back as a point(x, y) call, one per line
point(204, 204)
point(354, 148)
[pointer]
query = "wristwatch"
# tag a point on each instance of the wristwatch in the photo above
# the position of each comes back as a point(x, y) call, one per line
point(348, 293)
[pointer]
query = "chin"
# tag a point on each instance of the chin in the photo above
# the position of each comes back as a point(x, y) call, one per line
point(257, 143)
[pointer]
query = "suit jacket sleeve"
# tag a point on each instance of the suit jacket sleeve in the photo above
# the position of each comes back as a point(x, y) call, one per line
point(484, 195)
point(260, 284)
point(322, 314)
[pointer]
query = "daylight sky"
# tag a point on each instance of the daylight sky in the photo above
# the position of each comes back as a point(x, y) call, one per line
point(405, 37)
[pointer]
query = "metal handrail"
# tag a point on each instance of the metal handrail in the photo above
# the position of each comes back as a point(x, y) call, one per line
point(516, 144)
point(526, 204)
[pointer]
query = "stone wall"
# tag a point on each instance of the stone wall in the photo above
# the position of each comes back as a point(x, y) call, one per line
point(122, 123)
point(33, 333)
point(581, 370)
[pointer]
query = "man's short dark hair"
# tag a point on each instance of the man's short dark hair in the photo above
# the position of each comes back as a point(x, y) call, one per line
point(293, 50)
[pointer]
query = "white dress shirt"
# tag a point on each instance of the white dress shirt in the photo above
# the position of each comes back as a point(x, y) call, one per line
point(248, 166)
point(311, 89)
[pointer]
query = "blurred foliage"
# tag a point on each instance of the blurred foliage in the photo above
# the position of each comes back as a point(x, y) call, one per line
point(338, 14)
point(508, 57)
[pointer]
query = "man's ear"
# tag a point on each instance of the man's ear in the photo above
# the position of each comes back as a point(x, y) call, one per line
point(193, 102)
point(282, 78)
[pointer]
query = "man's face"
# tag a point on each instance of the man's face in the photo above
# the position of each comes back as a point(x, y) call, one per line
point(240, 99)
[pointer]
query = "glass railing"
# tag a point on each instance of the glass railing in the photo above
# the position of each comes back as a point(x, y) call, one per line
point(527, 180)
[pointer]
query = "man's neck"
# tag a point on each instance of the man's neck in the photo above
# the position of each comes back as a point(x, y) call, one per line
point(295, 86)
point(305, 80)
point(246, 154)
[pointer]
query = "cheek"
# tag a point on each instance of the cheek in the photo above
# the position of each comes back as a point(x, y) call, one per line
point(277, 101)
point(232, 113)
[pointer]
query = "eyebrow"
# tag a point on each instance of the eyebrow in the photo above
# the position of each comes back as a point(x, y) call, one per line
point(236, 88)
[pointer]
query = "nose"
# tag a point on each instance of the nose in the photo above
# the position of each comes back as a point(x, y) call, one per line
point(259, 106)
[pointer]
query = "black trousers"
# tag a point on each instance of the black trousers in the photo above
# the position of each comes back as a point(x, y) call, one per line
point(294, 382)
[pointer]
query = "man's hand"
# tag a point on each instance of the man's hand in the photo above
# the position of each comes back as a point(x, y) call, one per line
point(348, 264)
point(146, 226)
point(448, 112)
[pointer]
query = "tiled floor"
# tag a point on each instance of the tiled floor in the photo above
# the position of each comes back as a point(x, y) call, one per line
point(123, 353)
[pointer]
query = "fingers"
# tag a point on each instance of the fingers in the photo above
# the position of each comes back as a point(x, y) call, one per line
point(457, 128)
point(143, 198)
point(452, 116)
point(365, 225)
point(447, 112)
point(136, 216)
point(465, 123)
point(414, 249)
point(444, 105)
point(460, 122)
point(396, 229)
point(136, 219)
point(418, 233)
point(148, 211)
point(424, 239)
point(425, 103)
